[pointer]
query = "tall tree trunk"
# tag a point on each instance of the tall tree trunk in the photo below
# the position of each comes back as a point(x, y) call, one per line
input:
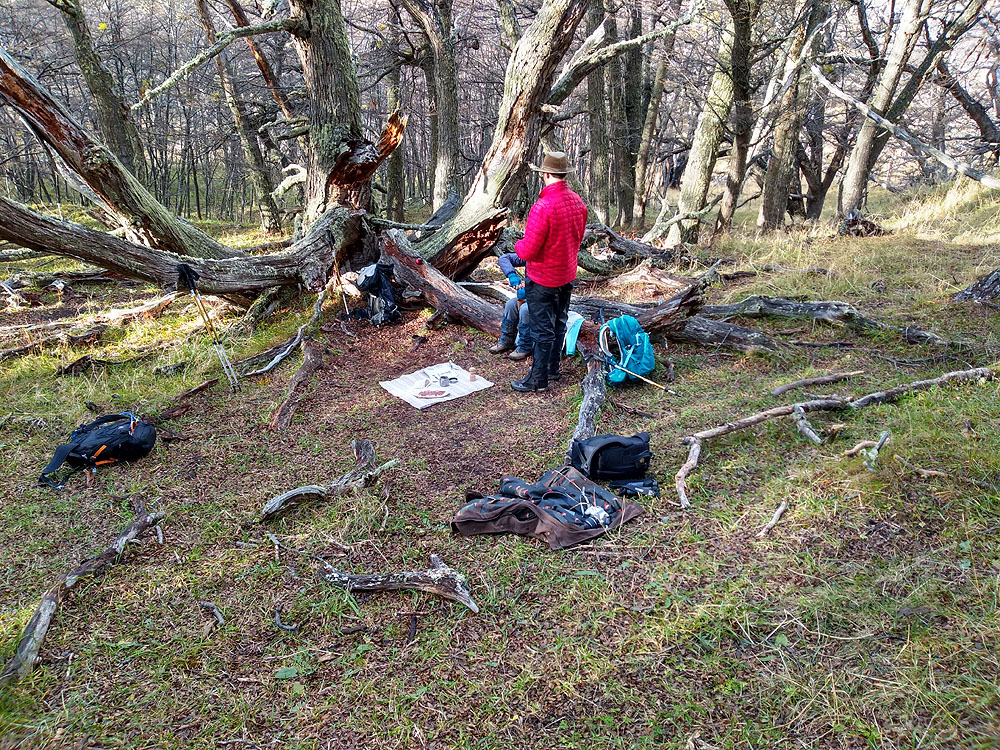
point(434, 19)
point(935, 53)
point(652, 112)
point(394, 197)
point(600, 187)
point(459, 245)
point(633, 118)
point(705, 146)
point(744, 13)
point(260, 175)
point(914, 16)
point(116, 127)
point(334, 97)
point(784, 149)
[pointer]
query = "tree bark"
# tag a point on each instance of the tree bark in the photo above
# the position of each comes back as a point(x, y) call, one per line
point(600, 186)
point(331, 80)
point(914, 16)
point(744, 13)
point(117, 129)
point(705, 147)
point(260, 175)
point(394, 175)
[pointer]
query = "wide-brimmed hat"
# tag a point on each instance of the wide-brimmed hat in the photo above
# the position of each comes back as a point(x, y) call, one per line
point(555, 162)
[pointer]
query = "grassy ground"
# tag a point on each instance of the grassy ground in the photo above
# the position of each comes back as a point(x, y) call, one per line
point(867, 618)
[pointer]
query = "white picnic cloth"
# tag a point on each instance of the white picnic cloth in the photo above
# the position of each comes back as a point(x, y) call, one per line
point(408, 386)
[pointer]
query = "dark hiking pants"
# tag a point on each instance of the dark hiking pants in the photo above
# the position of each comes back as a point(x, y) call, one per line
point(548, 308)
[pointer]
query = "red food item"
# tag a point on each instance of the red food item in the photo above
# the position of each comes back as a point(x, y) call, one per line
point(432, 393)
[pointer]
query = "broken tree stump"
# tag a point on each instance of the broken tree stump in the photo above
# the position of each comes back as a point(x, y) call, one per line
point(31, 641)
point(438, 579)
point(362, 474)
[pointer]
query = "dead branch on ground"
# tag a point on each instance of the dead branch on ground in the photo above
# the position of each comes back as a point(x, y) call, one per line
point(80, 339)
point(439, 579)
point(362, 474)
point(312, 360)
point(774, 519)
point(696, 440)
point(30, 644)
point(834, 377)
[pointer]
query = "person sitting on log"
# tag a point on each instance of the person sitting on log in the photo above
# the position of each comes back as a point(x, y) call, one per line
point(551, 243)
point(515, 315)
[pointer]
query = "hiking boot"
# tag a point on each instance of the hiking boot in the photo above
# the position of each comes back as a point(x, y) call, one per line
point(502, 346)
point(529, 386)
point(517, 355)
point(555, 375)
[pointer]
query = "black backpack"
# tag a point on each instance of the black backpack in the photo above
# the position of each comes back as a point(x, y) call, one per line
point(115, 437)
point(376, 280)
point(612, 456)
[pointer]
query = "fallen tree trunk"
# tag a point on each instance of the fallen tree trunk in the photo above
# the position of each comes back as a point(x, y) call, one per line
point(834, 313)
point(362, 474)
point(986, 288)
point(307, 262)
point(689, 329)
point(696, 441)
point(595, 394)
point(35, 631)
point(439, 579)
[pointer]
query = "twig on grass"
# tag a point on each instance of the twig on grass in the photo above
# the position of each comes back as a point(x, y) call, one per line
point(821, 380)
point(803, 425)
point(439, 579)
point(362, 474)
point(774, 519)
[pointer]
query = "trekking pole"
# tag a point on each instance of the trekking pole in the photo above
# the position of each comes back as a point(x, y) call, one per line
point(336, 271)
point(640, 377)
point(189, 278)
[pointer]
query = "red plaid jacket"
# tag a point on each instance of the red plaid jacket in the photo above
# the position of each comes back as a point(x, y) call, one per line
point(552, 236)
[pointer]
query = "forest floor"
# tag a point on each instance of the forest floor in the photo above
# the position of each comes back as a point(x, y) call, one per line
point(868, 617)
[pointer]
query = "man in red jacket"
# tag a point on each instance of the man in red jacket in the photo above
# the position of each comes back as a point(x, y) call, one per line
point(551, 242)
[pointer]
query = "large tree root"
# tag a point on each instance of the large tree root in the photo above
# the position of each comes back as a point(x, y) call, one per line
point(439, 579)
point(312, 360)
point(362, 474)
point(798, 410)
point(834, 313)
point(34, 633)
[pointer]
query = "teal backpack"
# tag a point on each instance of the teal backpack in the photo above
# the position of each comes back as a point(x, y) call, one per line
point(635, 351)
